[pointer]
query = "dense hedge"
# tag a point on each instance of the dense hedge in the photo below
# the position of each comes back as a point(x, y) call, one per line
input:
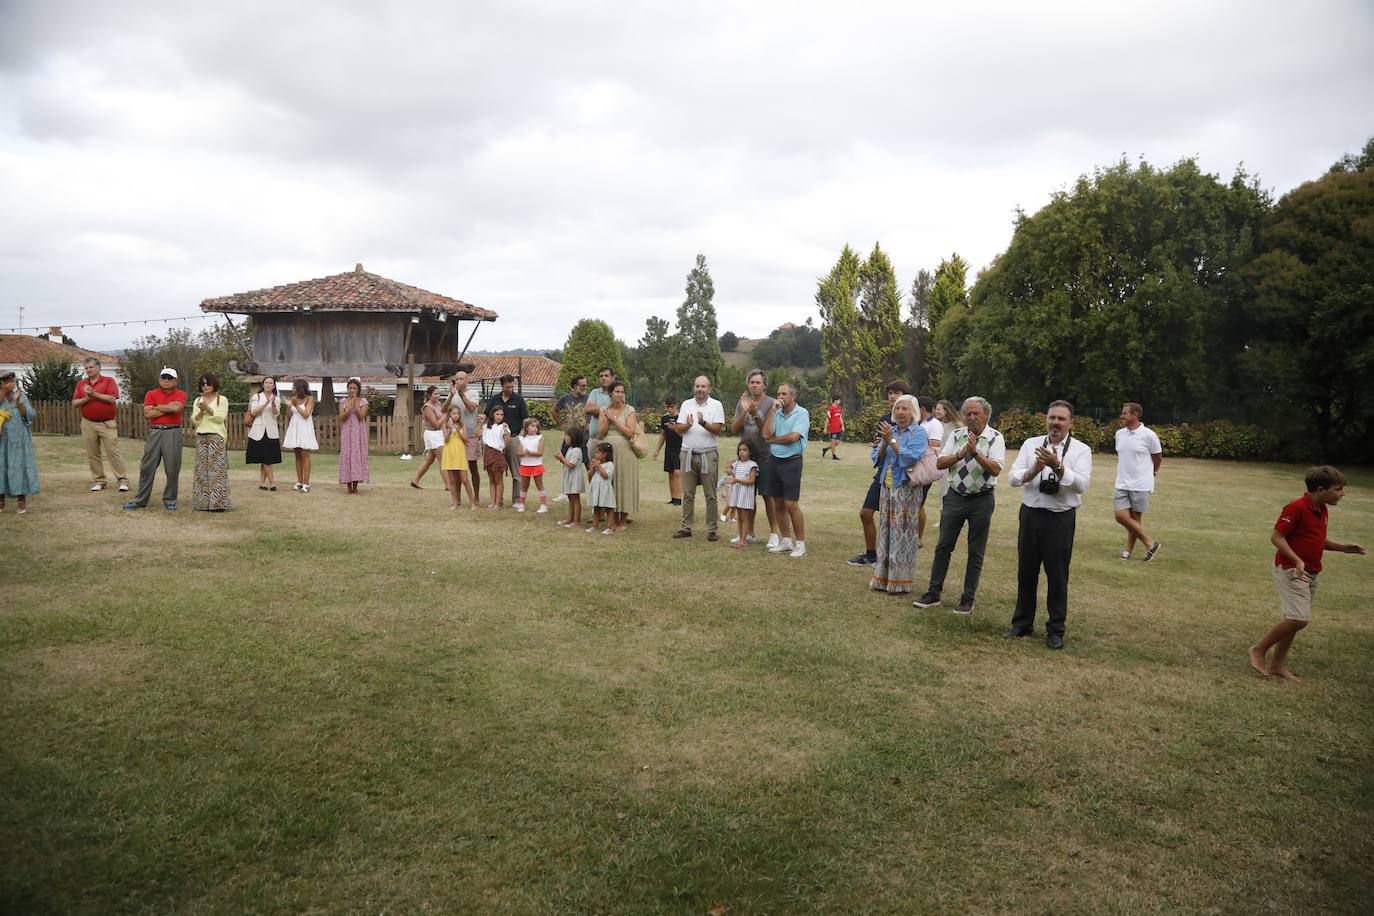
point(1218, 439)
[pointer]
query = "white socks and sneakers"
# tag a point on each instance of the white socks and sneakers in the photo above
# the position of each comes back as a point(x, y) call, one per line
point(795, 550)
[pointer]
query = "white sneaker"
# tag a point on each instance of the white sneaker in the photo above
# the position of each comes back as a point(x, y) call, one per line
point(543, 510)
point(725, 518)
point(799, 551)
point(735, 539)
point(124, 487)
point(784, 545)
point(97, 487)
point(519, 507)
point(772, 540)
point(750, 539)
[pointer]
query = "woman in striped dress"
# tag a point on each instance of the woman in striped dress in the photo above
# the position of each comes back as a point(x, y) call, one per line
point(210, 488)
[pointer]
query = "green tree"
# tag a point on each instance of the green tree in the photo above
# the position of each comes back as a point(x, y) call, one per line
point(948, 295)
point(729, 342)
point(850, 361)
point(1310, 347)
point(52, 380)
point(1354, 162)
point(591, 344)
point(915, 352)
point(922, 287)
point(650, 361)
point(1126, 287)
point(190, 354)
point(698, 344)
point(880, 315)
point(797, 346)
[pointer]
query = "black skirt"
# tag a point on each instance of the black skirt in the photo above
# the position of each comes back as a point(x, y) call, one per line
point(262, 451)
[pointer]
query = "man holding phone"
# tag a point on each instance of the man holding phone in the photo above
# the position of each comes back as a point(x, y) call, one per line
point(699, 422)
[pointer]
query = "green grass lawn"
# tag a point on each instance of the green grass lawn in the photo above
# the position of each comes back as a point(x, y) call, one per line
point(372, 704)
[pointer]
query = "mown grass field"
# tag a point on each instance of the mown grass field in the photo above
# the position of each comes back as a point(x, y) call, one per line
point(323, 703)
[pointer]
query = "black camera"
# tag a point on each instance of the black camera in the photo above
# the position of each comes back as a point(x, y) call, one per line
point(1049, 483)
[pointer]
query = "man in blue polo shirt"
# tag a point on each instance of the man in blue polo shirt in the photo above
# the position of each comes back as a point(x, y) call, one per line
point(785, 431)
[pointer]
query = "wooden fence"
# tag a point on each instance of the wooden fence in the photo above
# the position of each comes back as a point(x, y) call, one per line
point(384, 434)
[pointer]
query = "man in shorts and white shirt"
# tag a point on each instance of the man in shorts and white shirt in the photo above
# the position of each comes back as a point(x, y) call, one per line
point(1138, 456)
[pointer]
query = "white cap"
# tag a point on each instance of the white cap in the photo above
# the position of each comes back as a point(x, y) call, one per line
point(167, 370)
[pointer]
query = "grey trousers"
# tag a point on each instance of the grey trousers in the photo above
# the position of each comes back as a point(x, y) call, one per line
point(700, 468)
point(955, 510)
point(163, 446)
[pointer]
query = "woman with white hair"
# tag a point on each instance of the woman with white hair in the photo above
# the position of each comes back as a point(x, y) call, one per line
point(901, 444)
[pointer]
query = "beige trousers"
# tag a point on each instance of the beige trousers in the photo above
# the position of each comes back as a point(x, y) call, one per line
point(98, 434)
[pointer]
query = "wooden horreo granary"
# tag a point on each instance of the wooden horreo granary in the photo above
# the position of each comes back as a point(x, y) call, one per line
point(353, 324)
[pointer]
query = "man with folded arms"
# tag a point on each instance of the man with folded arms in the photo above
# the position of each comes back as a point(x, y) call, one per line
point(97, 395)
point(1053, 472)
point(786, 430)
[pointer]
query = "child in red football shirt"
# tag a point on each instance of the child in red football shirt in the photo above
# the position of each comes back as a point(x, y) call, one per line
point(834, 428)
point(1300, 537)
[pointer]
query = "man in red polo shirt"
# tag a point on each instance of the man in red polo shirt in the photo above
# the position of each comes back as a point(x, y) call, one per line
point(162, 408)
point(96, 395)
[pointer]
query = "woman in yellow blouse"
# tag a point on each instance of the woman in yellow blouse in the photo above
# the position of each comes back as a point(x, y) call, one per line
point(210, 491)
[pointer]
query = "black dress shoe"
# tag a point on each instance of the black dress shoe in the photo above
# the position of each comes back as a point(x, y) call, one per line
point(1014, 633)
point(1055, 641)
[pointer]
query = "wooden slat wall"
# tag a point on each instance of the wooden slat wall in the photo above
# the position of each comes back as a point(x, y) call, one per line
point(385, 434)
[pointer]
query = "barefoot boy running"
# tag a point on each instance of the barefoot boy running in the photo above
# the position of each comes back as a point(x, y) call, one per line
point(1300, 536)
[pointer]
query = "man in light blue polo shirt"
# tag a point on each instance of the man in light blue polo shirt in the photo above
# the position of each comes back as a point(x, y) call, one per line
point(785, 431)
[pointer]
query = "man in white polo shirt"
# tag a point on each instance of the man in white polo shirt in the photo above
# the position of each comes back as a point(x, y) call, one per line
point(1138, 456)
point(699, 422)
point(1053, 472)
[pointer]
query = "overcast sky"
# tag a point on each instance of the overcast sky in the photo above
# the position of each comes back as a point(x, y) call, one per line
point(552, 161)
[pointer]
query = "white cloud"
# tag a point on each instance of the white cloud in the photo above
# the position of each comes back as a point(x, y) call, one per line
point(551, 161)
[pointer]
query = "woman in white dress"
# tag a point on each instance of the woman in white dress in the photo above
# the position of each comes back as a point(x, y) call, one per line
point(300, 431)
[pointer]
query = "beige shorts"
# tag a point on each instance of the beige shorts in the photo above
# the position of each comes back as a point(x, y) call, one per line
point(1295, 595)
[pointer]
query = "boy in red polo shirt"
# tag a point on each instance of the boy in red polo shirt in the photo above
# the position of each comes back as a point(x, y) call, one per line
point(1300, 537)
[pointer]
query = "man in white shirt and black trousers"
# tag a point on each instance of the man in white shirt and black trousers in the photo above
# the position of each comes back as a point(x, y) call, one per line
point(1053, 472)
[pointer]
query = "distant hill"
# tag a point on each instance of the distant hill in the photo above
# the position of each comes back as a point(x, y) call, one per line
point(520, 351)
point(743, 355)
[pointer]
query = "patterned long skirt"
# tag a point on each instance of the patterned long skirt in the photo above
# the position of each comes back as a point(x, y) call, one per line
point(210, 490)
point(898, 510)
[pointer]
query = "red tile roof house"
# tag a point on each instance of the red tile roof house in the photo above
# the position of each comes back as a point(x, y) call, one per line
point(19, 353)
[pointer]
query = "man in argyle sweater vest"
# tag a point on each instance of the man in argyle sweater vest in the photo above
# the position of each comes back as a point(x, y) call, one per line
point(972, 459)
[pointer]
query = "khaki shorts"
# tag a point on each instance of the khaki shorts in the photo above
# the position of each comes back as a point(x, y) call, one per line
point(1135, 500)
point(1295, 595)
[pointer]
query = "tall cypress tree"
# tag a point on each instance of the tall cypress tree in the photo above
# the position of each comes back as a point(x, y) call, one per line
point(948, 295)
point(880, 314)
point(846, 348)
point(698, 342)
